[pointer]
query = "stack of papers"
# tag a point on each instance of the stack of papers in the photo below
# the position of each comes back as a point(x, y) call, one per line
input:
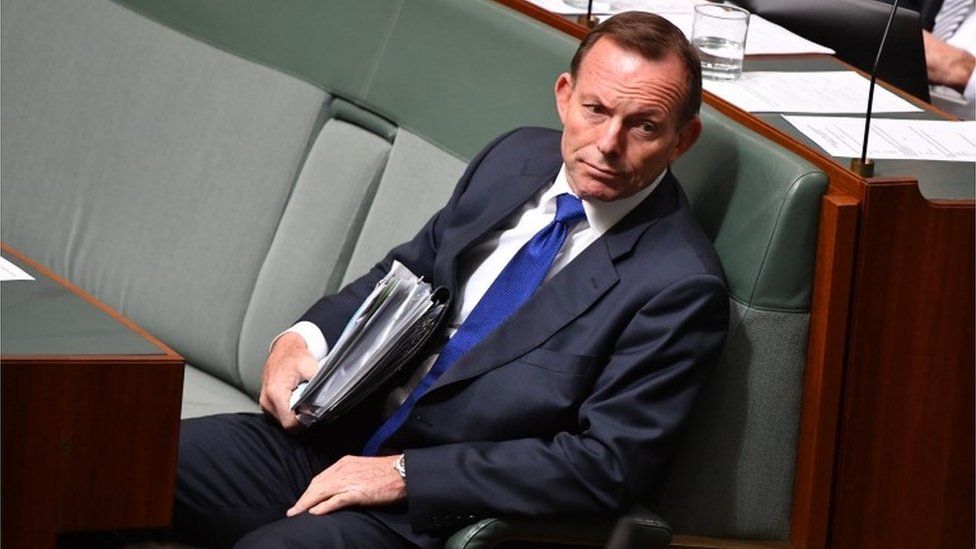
point(945, 140)
point(391, 325)
point(764, 37)
point(837, 92)
point(9, 271)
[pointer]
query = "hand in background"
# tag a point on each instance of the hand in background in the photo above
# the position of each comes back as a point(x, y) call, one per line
point(947, 65)
point(352, 481)
point(288, 364)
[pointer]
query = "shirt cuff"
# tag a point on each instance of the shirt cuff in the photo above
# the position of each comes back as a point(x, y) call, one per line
point(970, 93)
point(312, 335)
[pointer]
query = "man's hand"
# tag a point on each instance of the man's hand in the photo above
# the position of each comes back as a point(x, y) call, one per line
point(947, 65)
point(352, 481)
point(289, 364)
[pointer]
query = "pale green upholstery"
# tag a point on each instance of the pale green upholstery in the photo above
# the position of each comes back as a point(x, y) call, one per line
point(210, 168)
point(733, 474)
point(125, 151)
point(313, 237)
point(418, 179)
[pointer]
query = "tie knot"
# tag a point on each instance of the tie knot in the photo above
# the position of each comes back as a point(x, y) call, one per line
point(569, 209)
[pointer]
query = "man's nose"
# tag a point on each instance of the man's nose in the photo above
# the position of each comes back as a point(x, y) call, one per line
point(610, 141)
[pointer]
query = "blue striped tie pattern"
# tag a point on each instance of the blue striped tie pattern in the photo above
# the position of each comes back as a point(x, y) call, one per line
point(510, 290)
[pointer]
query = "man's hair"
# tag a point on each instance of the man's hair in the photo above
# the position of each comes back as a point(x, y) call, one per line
point(653, 38)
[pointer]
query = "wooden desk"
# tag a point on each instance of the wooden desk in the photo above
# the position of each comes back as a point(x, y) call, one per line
point(886, 454)
point(91, 406)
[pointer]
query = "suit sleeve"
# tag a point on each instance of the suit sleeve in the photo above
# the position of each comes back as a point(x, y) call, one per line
point(332, 313)
point(626, 427)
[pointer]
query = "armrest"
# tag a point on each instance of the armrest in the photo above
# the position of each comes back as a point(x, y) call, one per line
point(639, 528)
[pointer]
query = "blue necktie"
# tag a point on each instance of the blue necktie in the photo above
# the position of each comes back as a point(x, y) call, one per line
point(512, 288)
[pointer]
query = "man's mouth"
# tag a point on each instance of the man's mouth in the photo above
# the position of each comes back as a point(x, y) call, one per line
point(601, 171)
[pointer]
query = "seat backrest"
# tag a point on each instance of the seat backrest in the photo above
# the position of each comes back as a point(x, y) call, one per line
point(149, 169)
point(427, 76)
point(733, 473)
point(179, 178)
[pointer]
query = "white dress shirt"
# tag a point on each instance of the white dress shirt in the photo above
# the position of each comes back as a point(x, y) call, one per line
point(480, 265)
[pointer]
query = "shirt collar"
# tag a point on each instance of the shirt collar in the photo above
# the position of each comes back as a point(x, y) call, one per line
point(601, 216)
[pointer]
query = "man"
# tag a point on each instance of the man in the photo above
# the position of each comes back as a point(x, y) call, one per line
point(569, 401)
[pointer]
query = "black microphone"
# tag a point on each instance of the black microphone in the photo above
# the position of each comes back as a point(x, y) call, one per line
point(864, 166)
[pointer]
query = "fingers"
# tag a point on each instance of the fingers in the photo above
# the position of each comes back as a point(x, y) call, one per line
point(352, 481)
point(323, 496)
point(274, 402)
point(311, 496)
point(288, 364)
point(336, 502)
point(326, 506)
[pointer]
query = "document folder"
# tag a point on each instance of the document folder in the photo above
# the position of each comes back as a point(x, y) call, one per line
point(389, 329)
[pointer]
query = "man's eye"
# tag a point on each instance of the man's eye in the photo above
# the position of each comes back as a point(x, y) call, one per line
point(647, 127)
point(594, 109)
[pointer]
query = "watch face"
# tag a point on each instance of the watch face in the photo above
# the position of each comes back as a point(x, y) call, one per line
point(401, 467)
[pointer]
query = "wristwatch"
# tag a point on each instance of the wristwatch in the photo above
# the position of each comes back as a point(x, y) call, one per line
point(400, 466)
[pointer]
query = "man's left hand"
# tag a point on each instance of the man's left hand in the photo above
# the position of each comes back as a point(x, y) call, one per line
point(352, 481)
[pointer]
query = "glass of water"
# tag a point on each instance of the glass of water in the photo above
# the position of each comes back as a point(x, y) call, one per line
point(719, 34)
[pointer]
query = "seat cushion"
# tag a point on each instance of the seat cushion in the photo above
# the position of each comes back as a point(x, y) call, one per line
point(314, 238)
point(204, 395)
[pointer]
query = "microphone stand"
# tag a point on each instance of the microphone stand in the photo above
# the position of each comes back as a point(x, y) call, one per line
point(864, 166)
point(587, 20)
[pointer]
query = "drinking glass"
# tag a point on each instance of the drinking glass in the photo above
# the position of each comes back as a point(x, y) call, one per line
point(719, 34)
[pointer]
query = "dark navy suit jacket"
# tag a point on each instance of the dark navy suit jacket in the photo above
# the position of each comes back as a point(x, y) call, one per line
point(571, 405)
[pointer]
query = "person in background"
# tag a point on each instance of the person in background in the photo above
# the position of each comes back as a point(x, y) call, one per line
point(949, 36)
point(949, 57)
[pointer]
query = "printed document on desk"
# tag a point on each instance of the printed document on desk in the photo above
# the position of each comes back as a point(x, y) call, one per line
point(600, 7)
point(9, 271)
point(394, 322)
point(891, 139)
point(834, 92)
point(764, 37)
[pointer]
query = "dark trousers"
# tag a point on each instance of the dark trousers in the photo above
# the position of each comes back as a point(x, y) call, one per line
point(239, 473)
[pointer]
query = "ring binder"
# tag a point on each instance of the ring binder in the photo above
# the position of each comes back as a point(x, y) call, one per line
point(392, 326)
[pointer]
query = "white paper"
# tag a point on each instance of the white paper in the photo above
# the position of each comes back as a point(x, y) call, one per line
point(660, 7)
point(834, 92)
point(768, 38)
point(891, 139)
point(764, 37)
point(600, 7)
point(394, 306)
point(9, 271)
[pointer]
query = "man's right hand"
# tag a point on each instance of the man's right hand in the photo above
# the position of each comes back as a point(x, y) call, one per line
point(289, 363)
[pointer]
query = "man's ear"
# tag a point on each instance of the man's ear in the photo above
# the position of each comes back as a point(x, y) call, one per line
point(687, 136)
point(563, 90)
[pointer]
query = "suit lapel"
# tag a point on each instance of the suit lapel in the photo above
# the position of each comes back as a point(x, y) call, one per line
point(506, 194)
point(518, 189)
point(568, 294)
point(557, 302)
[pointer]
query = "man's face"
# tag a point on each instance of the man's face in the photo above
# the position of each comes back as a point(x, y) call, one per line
point(620, 121)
